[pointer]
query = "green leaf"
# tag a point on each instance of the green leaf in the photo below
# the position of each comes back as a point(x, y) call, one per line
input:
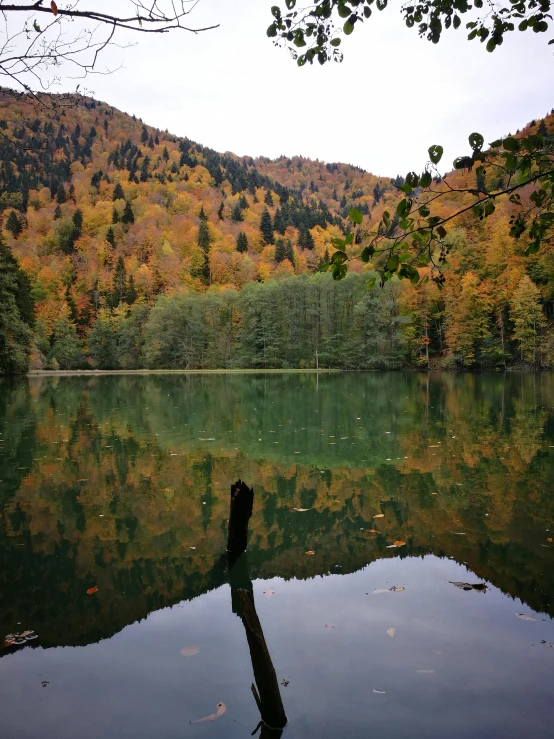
point(412, 179)
point(335, 42)
point(355, 215)
point(496, 144)
point(349, 239)
point(425, 180)
point(392, 264)
point(290, 4)
point(367, 253)
point(441, 231)
point(348, 28)
point(276, 11)
point(424, 211)
point(370, 284)
point(435, 153)
point(272, 31)
point(476, 141)
point(344, 11)
point(510, 144)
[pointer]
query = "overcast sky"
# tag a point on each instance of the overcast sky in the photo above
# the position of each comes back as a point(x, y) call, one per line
point(392, 97)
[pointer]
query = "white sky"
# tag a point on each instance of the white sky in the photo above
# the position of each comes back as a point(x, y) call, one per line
point(231, 89)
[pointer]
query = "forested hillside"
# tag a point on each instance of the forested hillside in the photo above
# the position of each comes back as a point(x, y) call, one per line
point(143, 249)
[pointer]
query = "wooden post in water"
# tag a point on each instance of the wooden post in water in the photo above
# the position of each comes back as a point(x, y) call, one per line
point(242, 501)
point(266, 688)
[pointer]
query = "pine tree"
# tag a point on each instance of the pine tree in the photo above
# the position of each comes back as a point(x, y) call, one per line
point(266, 228)
point(128, 216)
point(156, 140)
point(326, 257)
point(242, 242)
point(144, 169)
point(202, 215)
point(60, 194)
point(220, 211)
point(279, 250)
point(72, 193)
point(118, 193)
point(131, 295)
point(480, 182)
point(151, 142)
point(110, 237)
point(236, 215)
point(243, 202)
point(268, 199)
point(13, 224)
point(115, 215)
point(165, 154)
point(289, 252)
point(78, 221)
point(204, 243)
point(144, 135)
point(119, 283)
point(16, 315)
point(542, 128)
point(57, 213)
point(305, 239)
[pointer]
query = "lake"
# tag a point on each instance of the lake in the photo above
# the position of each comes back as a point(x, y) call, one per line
point(400, 554)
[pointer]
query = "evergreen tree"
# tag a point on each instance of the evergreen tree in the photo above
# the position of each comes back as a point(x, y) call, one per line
point(165, 154)
point(110, 237)
point(326, 257)
point(128, 216)
point(16, 315)
point(60, 194)
point(118, 193)
point(151, 142)
point(343, 201)
point(243, 202)
point(156, 139)
point(242, 242)
point(542, 128)
point(144, 135)
point(78, 221)
point(220, 211)
point(480, 182)
point(268, 199)
point(236, 215)
point(279, 250)
point(72, 193)
point(57, 213)
point(202, 215)
point(266, 228)
point(119, 288)
point(305, 239)
point(279, 222)
point(289, 252)
point(115, 215)
point(144, 169)
point(13, 224)
point(131, 295)
point(204, 242)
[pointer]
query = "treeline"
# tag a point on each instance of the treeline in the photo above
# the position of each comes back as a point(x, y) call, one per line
point(281, 324)
point(304, 321)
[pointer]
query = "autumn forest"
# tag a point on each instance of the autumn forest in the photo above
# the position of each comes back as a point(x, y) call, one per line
point(132, 248)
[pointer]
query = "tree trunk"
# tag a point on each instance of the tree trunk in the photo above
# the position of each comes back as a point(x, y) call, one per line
point(242, 500)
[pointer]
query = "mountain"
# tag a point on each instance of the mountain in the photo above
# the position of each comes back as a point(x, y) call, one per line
point(106, 215)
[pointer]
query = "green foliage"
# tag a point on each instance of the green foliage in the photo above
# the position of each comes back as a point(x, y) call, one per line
point(16, 315)
point(242, 242)
point(266, 228)
point(13, 224)
point(66, 352)
point(128, 216)
point(118, 193)
point(314, 28)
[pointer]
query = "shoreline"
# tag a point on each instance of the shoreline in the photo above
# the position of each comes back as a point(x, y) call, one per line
point(96, 373)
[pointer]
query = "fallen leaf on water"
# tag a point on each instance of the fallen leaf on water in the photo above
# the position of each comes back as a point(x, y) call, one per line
point(371, 531)
point(301, 510)
point(391, 632)
point(309, 552)
point(329, 626)
point(219, 711)
point(523, 617)
point(380, 692)
point(549, 540)
point(9, 643)
point(426, 672)
point(379, 515)
point(397, 588)
point(479, 586)
point(285, 682)
point(399, 543)
point(189, 651)
point(90, 591)
point(269, 593)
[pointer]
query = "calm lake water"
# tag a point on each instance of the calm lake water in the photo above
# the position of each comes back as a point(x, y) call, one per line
point(121, 483)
